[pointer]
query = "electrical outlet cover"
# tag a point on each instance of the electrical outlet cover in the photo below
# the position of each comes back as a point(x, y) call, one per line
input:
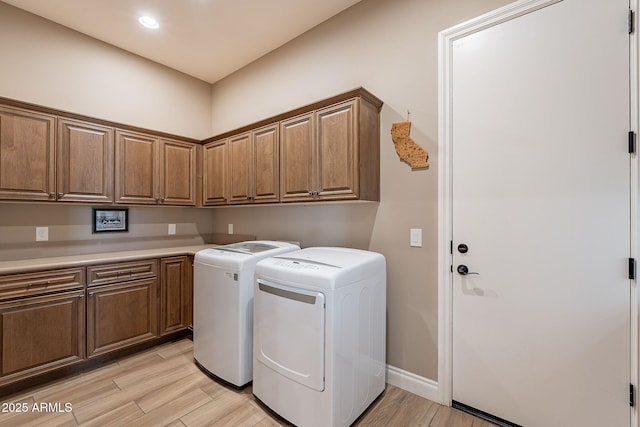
point(42, 234)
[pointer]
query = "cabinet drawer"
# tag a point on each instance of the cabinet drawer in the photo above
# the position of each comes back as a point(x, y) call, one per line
point(121, 272)
point(41, 282)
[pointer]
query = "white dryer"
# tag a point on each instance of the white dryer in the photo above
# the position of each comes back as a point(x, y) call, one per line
point(223, 307)
point(320, 334)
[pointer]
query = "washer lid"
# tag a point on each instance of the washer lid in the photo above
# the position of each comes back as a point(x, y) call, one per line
point(248, 247)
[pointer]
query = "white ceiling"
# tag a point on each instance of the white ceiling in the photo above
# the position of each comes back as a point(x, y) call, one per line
point(207, 39)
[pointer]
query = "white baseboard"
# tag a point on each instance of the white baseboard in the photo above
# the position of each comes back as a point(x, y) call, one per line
point(413, 383)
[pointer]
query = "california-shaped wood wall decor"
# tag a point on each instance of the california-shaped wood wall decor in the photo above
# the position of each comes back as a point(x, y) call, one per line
point(407, 149)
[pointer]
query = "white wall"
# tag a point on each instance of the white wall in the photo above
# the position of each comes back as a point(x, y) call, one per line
point(50, 65)
point(387, 46)
point(47, 64)
point(390, 48)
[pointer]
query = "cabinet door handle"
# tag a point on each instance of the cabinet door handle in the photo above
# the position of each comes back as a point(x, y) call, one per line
point(60, 195)
point(90, 294)
point(52, 195)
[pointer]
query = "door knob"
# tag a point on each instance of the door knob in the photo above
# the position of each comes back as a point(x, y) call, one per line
point(463, 270)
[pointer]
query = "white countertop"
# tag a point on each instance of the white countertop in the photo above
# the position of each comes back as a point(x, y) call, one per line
point(24, 265)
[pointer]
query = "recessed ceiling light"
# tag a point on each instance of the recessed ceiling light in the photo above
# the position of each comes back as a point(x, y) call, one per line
point(149, 22)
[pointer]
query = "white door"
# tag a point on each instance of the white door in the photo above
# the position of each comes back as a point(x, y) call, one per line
point(540, 196)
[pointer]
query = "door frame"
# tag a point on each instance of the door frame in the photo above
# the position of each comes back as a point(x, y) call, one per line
point(445, 207)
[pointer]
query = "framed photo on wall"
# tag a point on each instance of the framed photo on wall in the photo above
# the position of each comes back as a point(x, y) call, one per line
point(110, 220)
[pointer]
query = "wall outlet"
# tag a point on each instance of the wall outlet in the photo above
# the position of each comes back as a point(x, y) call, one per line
point(416, 237)
point(42, 234)
point(230, 229)
point(172, 229)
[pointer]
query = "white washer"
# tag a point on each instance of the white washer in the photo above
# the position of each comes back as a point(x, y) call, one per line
point(320, 334)
point(223, 307)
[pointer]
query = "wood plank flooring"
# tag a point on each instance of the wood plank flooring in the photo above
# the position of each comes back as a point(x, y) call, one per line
point(163, 387)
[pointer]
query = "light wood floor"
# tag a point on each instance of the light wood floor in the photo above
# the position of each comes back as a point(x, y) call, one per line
point(163, 387)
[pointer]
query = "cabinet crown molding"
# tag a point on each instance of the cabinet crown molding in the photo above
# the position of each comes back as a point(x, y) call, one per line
point(354, 93)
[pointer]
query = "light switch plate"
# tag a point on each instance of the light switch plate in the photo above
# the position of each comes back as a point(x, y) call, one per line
point(172, 229)
point(416, 237)
point(42, 234)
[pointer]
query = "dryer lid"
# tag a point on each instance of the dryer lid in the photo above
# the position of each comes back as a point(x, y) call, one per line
point(333, 257)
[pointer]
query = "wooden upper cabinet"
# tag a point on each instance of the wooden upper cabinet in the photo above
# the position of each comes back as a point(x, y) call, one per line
point(266, 164)
point(337, 155)
point(297, 145)
point(215, 156)
point(136, 171)
point(332, 153)
point(27, 155)
point(84, 162)
point(240, 168)
point(178, 177)
point(153, 171)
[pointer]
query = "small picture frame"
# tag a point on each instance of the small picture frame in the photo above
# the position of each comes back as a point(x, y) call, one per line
point(110, 220)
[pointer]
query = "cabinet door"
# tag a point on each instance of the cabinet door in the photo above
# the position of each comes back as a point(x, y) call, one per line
point(215, 186)
point(178, 173)
point(136, 172)
point(40, 334)
point(190, 291)
point(297, 181)
point(121, 315)
point(84, 162)
point(240, 168)
point(337, 161)
point(27, 155)
point(174, 294)
point(266, 183)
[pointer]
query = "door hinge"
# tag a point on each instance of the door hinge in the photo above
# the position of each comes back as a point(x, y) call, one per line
point(451, 247)
point(632, 268)
point(632, 142)
point(630, 21)
point(632, 395)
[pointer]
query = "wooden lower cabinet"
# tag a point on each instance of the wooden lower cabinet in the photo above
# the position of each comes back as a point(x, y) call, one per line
point(174, 294)
point(190, 291)
point(121, 315)
point(50, 319)
point(40, 334)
